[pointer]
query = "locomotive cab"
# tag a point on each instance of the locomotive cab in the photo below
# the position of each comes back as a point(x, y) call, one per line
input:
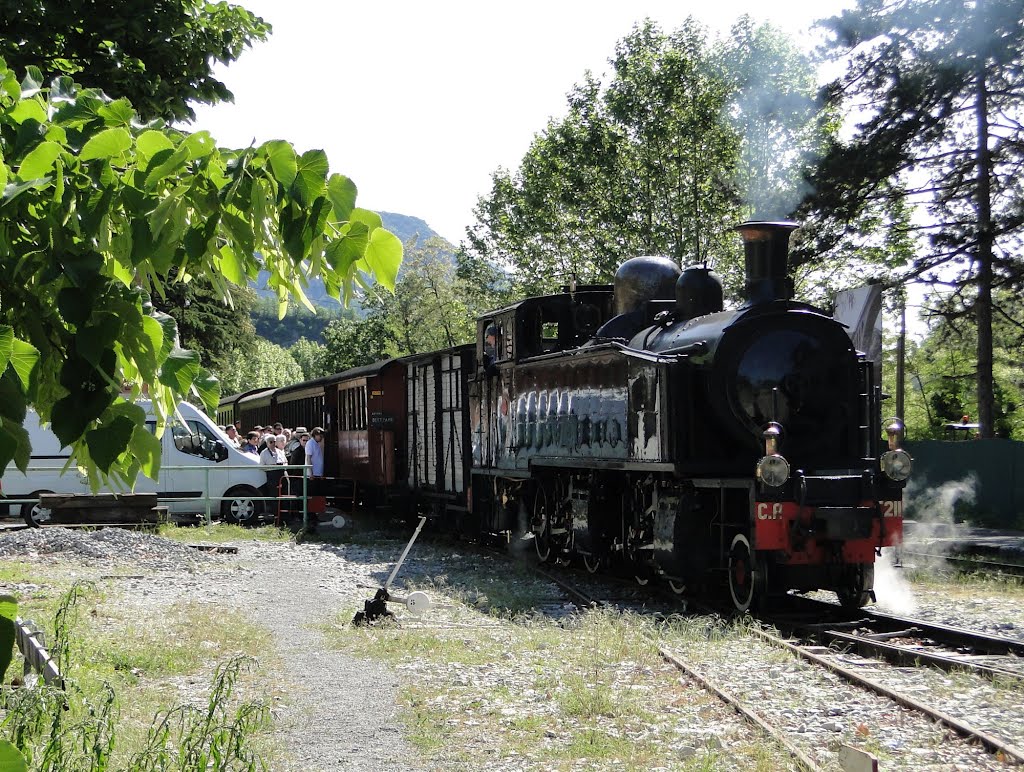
point(543, 325)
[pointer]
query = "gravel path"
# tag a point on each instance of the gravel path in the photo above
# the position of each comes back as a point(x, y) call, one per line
point(337, 712)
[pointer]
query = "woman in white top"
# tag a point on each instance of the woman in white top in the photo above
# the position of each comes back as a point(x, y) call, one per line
point(273, 456)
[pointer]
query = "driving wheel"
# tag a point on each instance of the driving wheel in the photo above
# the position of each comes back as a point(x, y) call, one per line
point(746, 575)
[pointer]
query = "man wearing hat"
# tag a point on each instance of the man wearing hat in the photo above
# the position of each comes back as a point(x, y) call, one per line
point(294, 443)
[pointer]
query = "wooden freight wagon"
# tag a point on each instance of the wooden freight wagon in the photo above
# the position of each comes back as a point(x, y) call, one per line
point(439, 440)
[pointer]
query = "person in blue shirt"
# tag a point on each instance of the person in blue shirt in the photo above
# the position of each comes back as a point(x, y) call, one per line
point(315, 452)
point(251, 444)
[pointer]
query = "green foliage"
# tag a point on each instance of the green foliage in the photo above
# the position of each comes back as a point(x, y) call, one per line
point(160, 56)
point(433, 306)
point(264, 365)
point(310, 357)
point(206, 324)
point(76, 728)
point(940, 379)
point(355, 342)
point(216, 737)
point(98, 214)
point(936, 83)
point(299, 322)
point(662, 159)
point(11, 759)
point(8, 636)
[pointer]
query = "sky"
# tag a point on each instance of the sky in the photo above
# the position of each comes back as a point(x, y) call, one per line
point(420, 102)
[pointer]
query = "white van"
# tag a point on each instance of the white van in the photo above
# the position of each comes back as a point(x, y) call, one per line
point(190, 452)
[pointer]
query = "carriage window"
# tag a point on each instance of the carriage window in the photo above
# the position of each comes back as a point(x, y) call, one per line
point(352, 408)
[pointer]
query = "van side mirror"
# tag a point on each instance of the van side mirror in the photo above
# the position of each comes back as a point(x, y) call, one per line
point(220, 450)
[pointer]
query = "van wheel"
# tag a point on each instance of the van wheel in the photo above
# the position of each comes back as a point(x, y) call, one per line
point(239, 506)
point(33, 513)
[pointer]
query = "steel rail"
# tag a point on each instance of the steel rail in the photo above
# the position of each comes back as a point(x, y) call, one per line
point(993, 744)
point(582, 600)
point(752, 716)
point(908, 656)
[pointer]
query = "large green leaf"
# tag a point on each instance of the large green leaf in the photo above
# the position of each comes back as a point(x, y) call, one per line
point(8, 636)
point(11, 759)
point(8, 444)
point(28, 110)
point(13, 190)
point(6, 345)
point(23, 452)
point(92, 341)
point(12, 398)
point(118, 113)
point(39, 162)
point(163, 164)
point(282, 161)
point(135, 413)
point(231, 266)
point(180, 369)
point(109, 441)
point(72, 415)
point(168, 331)
point(146, 449)
point(149, 143)
point(23, 359)
point(207, 387)
point(384, 256)
point(241, 231)
point(370, 219)
point(342, 193)
point(310, 177)
point(199, 145)
point(107, 144)
point(32, 83)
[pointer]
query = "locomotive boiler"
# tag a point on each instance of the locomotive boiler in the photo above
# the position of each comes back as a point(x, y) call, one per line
point(643, 424)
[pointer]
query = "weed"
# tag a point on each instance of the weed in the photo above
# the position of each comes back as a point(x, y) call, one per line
point(188, 738)
point(82, 728)
point(220, 533)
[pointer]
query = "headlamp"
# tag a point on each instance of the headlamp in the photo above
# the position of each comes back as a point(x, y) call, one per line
point(897, 465)
point(773, 470)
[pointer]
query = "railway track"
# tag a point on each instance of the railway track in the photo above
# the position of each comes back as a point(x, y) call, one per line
point(903, 641)
point(973, 564)
point(965, 647)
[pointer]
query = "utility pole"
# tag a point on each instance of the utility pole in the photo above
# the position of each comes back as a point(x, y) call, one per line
point(901, 353)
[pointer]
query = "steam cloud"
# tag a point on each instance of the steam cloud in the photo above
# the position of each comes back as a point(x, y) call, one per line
point(934, 515)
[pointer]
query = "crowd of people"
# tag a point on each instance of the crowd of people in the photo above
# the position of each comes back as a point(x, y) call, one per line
point(278, 446)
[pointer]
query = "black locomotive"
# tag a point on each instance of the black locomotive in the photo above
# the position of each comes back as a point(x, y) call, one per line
point(643, 425)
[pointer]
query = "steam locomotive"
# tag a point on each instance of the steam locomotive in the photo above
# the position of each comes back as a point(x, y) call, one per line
point(638, 424)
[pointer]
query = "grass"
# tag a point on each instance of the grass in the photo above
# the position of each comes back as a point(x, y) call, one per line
point(221, 533)
point(587, 692)
point(949, 576)
point(146, 688)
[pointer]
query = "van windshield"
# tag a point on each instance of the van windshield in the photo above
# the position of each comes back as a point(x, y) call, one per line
point(195, 438)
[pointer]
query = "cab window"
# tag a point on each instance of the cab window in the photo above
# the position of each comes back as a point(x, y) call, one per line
point(496, 346)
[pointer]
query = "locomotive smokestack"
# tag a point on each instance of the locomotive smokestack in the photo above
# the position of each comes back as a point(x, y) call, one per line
point(766, 248)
